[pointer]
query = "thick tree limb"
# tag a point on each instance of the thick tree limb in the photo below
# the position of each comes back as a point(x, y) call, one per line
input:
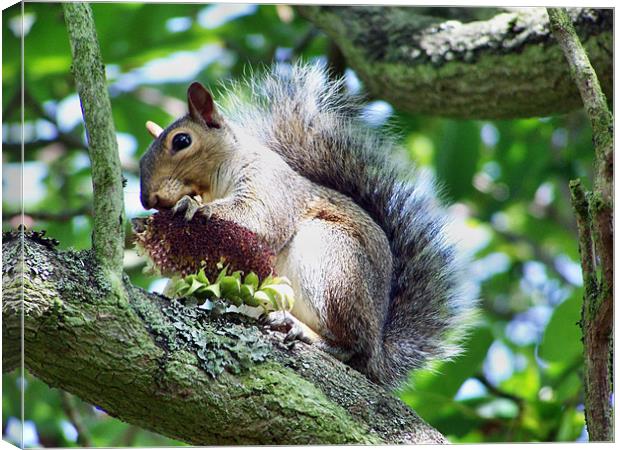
point(505, 67)
point(594, 212)
point(148, 362)
point(89, 73)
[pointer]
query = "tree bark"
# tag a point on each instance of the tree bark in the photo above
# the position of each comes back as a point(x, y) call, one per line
point(180, 371)
point(594, 211)
point(507, 66)
point(89, 73)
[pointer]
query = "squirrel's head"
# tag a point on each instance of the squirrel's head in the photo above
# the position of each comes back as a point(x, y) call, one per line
point(181, 158)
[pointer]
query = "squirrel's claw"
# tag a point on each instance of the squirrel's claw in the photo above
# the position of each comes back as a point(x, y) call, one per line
point(182, 205)
point(138, 224)
point(205, 210)
point(295, 330)
point(190, 206)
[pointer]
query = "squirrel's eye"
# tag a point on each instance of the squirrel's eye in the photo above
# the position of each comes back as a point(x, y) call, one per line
point(181, 141)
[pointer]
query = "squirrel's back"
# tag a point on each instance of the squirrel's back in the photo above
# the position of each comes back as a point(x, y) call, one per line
point(303, 116)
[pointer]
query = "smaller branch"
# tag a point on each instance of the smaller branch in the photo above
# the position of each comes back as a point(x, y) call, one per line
point(68, 139)
point(499, 392)
point(61, 216)
point(594, 100)
point(128, 437)
point(512, 427)
point(28, 145)
point(74, 416)
point(89, 73)
point(586, 248)
point(595, 222)
point(305, 40)
point(14, 103)
point(602, 222)
point(336, 60)
point(539, 253)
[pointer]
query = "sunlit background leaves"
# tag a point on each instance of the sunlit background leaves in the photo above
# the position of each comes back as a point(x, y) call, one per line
point(519, 377)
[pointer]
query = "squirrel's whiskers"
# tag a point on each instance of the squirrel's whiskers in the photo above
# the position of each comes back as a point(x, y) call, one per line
point(377, 281)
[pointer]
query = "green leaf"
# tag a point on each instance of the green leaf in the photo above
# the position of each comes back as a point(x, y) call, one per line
point(252, 280)
point(213, 290)
point(457, 156)
point(194, 287)
point(202, 277)
point(265, 300)
point(443, 382)
point(283, 295)
point(562, 338)
point(237, 274)
point(222, 274)
point(247, 292)
point(267, 280)
point(230, 286)
point(178, 287)
point(189, 279)
point(252, 301)
point(235, 300)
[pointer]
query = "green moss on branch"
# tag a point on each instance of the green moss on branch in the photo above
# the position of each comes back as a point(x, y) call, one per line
point(505, 67)
point(141, 361)
point(89, 72)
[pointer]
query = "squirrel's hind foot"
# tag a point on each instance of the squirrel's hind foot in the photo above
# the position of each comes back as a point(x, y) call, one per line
point(296, 330)
point(285, 322)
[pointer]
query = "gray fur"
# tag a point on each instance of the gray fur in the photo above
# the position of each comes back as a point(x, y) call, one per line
point(305, 118)
point(362, 240)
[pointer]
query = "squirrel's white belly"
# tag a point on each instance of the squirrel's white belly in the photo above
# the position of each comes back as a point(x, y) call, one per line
point(301, 261)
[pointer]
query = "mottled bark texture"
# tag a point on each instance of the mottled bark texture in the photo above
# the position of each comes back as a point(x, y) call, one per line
point(186, 373)
point(177, 370)
point(594, 212)
point(506, 66)
point(89, 73)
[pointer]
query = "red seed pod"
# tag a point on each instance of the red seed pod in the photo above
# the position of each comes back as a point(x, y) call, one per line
point(178, 247)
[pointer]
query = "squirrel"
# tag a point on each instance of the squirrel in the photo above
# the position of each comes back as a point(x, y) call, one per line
point(377, 281)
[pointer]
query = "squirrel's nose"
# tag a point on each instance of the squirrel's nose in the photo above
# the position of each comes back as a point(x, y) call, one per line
point(160, 201)
point(154, 201)
point(149, 201)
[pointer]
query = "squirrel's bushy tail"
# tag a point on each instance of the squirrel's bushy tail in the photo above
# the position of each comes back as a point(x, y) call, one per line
point(300, 114)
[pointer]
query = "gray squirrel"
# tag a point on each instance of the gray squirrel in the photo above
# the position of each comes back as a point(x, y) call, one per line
point(377, 282)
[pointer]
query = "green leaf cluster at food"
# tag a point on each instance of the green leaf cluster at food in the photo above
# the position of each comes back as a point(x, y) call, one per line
point(508, 181)
point(271, 294)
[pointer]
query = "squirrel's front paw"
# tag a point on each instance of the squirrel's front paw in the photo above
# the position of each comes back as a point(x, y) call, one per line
point(189, 206)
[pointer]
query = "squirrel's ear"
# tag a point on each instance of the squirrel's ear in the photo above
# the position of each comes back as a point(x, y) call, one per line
point(201, 105)
point(153, 129)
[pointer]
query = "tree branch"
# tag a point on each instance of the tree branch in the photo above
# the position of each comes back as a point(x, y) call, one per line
point(594, 212)
point(499, 392)
point(180, 371)
point(89, 73)
point(60, 216)
point(586, 246)
point(74, 416)
point(505, 67)
point(592, 95)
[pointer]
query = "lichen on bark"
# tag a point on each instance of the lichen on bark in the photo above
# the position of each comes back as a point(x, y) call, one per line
point(507, 66)
point(140, 361)
point(594, 212)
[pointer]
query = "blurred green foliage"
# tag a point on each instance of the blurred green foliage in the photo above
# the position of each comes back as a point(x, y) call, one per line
point(519, 377)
